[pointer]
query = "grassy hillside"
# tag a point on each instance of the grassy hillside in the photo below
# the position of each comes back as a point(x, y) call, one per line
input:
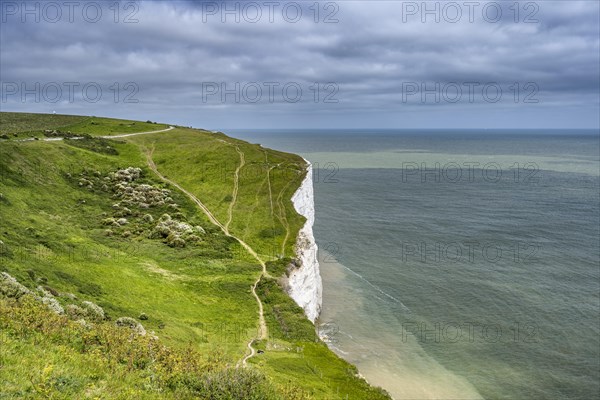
point(89, 220)
point(24, 125)
point(45, 355)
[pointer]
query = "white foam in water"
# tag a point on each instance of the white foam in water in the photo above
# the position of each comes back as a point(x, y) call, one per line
point(375, 287)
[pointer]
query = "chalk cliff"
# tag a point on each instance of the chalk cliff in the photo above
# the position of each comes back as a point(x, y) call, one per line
point(305, 285)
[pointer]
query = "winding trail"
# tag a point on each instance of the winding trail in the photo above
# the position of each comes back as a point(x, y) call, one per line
point(170, 128)
point(263, 330)
point(263, 333)
point(205, 209)
point(236, 186)
point(283, 217)
point(269, 169)
point(57, 139)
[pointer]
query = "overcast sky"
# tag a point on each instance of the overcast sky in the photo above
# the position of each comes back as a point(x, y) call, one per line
point(344, 64)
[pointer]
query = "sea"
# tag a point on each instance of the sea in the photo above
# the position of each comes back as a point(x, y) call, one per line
point(458, 264)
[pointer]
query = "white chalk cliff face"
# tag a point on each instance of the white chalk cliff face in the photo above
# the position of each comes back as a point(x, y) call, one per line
point(305, 285)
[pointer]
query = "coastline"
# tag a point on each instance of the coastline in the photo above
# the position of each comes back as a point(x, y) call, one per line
point(304, 282)
point(309, 368)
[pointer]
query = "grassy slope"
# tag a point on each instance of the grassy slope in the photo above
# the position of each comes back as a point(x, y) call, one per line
point(204, 163)
point(106, 362)
point(199, 295)
point(33, 125)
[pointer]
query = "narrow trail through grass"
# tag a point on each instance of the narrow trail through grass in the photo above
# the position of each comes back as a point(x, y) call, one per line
point(282, 217)
point(269, 169)
point(205, 209)
point(196, 297)
point(138, 133)
point(263, 332)
point(56, 139)
point(236, 186)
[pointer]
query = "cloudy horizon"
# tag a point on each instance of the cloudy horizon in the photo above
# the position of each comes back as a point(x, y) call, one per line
point(343, 64)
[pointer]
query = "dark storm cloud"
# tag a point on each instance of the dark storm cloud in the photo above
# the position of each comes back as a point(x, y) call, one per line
point(176, 48)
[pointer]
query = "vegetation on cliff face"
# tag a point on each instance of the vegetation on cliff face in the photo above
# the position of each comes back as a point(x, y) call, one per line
point(145, 251)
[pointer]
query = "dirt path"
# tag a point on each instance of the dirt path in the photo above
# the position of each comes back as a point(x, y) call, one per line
point(57, 139)
point(170, 128)
point(236, 187)
point(205, 209)
point(269, 169)
point(282, 217)
point(263, 334)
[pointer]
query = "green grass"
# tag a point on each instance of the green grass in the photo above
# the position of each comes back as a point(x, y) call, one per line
point(199, 296)
point(108, 126)
point(26, 125)
point(49, 229)
point(302, 355)
point(204, 163)
point(48, 356)
point(21, 123)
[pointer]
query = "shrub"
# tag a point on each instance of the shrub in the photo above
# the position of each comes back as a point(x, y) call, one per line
point(165, 217)
point(182, 373)
point(10, 287)
point(44, 292)
point(280, 266)
point(93, 311)
point(194, 238)
point(52, 291)
point(174, 240)
point(74, 312)
point(128, 322)
point(108, 221)
point(244, 384)
point(53, 305)
point(177, 233)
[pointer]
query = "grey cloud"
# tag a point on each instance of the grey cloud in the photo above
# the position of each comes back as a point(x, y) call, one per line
point(370, 53)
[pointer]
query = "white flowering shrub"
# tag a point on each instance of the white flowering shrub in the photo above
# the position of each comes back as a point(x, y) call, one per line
point(10, 287)
point(53, 305)
point(132, 204)
point(74, 311)
point(93, 311)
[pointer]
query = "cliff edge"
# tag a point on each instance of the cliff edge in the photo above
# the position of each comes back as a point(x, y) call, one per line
point(305, 285)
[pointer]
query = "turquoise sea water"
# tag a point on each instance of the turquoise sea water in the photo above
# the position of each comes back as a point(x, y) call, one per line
point(459, 264)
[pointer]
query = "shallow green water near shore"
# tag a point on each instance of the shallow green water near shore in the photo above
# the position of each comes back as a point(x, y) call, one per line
point(459, 266)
